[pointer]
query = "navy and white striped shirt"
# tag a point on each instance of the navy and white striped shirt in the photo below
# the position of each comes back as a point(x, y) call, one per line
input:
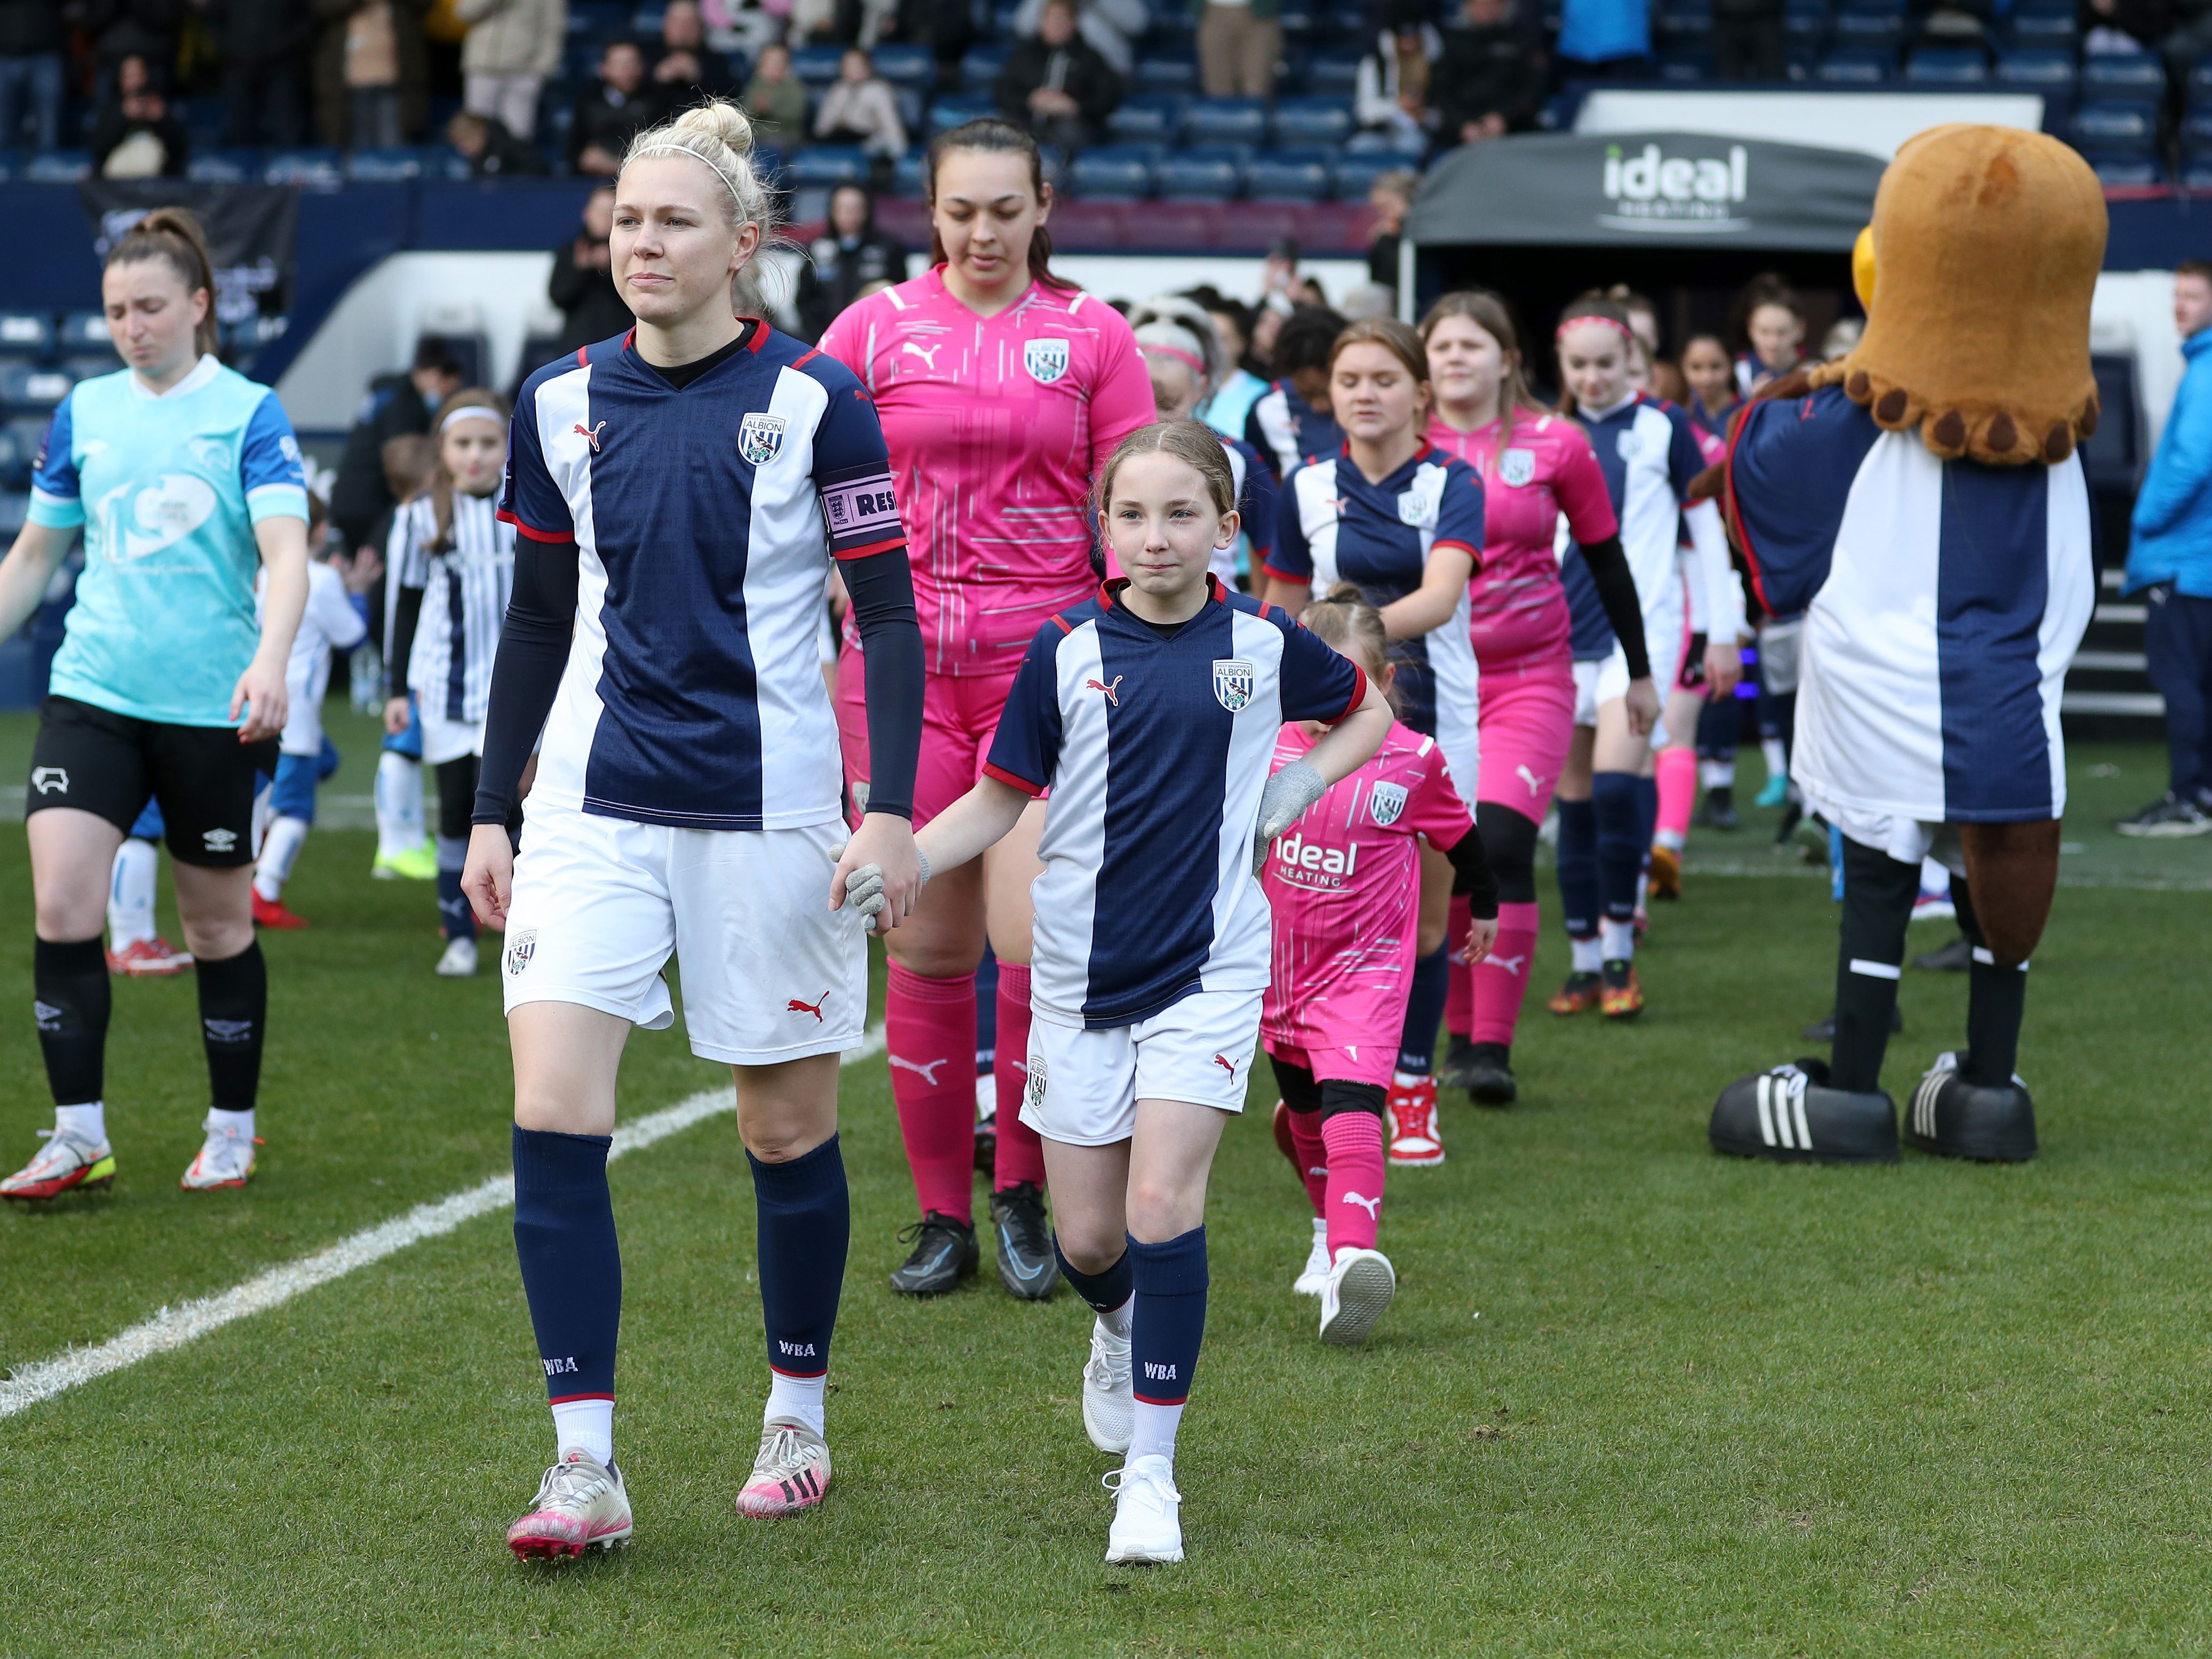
point(1156, 750)
point(465, 594)
point(1649, 454)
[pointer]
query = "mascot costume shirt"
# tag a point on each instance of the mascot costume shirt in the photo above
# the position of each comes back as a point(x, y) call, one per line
point(1923, 502)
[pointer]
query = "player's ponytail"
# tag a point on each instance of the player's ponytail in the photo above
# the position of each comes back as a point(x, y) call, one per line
point(1343, 620)
point(719, 135)
point(992, 135)
point(1190, 441)
point(174, 234)
point(440, 486)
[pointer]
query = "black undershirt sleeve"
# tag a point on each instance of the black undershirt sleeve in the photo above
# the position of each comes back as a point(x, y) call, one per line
point(526, 675)
point(882, 589)
point(1616, 592)
point(1472, 876)
point(407, 615)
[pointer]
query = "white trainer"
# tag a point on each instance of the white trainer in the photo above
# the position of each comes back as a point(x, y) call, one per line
point(226, 1159)
point(791, 1473)
point(1147, 1520)
point(1109, 1402)
point(1358, 1288)
point(1314, 1273)
point(581, 1501)
point(459, 961)
point(66, 1161)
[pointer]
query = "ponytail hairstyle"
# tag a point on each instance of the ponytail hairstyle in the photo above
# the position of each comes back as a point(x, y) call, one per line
point(993, 137)
point(1488, 311)
point(1592, 308)
point(438, 486)
point(174, 234)
point(1193, 441)
point(1170, 326)
point(718, 135)
point(1343, 620)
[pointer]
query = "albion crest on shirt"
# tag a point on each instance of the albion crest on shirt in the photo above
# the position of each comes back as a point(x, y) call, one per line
point(759, 437)
point(1046, 360)
point(1385, 801)
point(1232, 683)
point(1515, 467)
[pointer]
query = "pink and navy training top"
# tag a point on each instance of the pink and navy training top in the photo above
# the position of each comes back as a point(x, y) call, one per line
point(1155, 744)
point(996, 427)
point(1517, 604)
point(1345, 885)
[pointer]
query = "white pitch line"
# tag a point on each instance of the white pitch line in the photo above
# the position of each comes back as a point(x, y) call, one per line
point(173, 1327)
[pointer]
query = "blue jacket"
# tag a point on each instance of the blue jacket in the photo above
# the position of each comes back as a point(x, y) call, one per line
point(2172, 525)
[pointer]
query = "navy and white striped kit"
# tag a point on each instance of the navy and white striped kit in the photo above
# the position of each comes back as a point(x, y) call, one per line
point(465, 594)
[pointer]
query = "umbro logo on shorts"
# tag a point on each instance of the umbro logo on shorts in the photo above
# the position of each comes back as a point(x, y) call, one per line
point(50, 780)
point(795, 1006)
point(220, 841)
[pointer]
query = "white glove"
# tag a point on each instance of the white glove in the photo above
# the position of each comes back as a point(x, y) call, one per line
point(1283, 803)
point(864, 889)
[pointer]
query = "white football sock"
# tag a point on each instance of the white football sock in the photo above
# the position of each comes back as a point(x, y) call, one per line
point(1672, 840)
point(398, 804)
point(86, 1123)
point(1643, 895)
point(1119, 1321)
point(1616, 939)
point(802, 1397)
point(130, 894)
point(1155, 1434)
point(1777, 764)
point(586, 1425)
point(240, 1123)
point(1589, 954)
point(280, 850)
point(1717, 774)
point(264, 797)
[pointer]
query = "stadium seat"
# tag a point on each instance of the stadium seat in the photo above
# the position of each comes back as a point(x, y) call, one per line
point(384, 166)
point(979, 69)
point(1333, 73)
point(2038, 66)
point(1166, 73)
point(29, 432)
point(1688, 64)
point(1351, 19)
point(1148, 120)
point(305, 167)
point(1225, 121)
point(906, 176)
point(2117, 171)
point(2200, 81)
point(2196, 130)
point(2124, 75)
point(1207, 173)
point(2110, 454)
point(15, 461)
point(84, 330)
point(1863, 24)
point(596, 18)
point(26, 388)
point(1946, 66)
point(1313, 119)
point(911, 106)
point(1291, 175)
point(904, 66)
point(59, 166)
point(226, 166)
point(90, 367)
point(2115, 124)
point(2197, 172)
point(823, 166)
point(2043, 25)
point(12, 164)
point(1857, 65)
point(25, 334)
point(444, 162)
point(816, 65)
point(1683, 20)
point(1114, 173)
point(14, 512)
point(1806, 21)
point(1356, 172)
point(947, 113)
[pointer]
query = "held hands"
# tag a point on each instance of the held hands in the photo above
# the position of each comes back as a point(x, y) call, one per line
point(880, 873)
point(260, 693)
point(1641, 705)
point(488, 878)
point(1723, 668)
point(1282, 804)
point(397, 715)
point(1480, 936)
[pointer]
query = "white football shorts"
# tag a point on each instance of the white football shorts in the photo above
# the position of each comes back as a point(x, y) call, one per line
point(1607, 679)
point(447, 740)
point(1085, 1085)
point(771, 972)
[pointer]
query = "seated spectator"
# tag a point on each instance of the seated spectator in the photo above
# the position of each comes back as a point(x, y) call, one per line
point(31, 41)
point(493, 152)
point(1392, 97)
point(511, 47)
point(1058, 86)
point(1112, 27)
point(687, 73)
point(1489, 78)
point(583, 281)
point(860, 108)
point(1390, 198)
point(776, 101)
point(263, 46)
point(845, 258)
point(612, 112)
point(1239, 44)
point(1605, 40)
point(136, 136)
point(145, 29)
point(1747, 40)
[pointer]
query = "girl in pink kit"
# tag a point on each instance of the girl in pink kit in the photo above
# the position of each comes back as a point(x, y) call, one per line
point(1344, 888)
point(1002, 390)
point(1536, 467)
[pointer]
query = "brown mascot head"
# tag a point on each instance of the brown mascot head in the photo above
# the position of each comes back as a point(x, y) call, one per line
point(1985, 247)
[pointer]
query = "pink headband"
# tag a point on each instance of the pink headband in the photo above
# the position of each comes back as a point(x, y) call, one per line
point(1620, 328)
point(1189, 360)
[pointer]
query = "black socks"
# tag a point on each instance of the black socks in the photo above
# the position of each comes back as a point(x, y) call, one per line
point(234, 1019)
point(1878, 895)
point(70, 999)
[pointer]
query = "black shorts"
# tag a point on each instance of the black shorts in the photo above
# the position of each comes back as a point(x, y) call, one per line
point(107, 763)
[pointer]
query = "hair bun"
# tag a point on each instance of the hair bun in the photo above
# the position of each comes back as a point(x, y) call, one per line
point(1343, 593)
point(722, 119)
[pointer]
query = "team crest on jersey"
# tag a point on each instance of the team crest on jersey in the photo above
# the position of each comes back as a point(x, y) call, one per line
point(1233, 678)
point(759, 437)
point(521, 947)
point(1385, 801)
point(1046, 360)
point(1626, 445)
point(1515, 467)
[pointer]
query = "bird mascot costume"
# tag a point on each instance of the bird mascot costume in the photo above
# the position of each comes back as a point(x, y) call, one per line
point(1923, 501)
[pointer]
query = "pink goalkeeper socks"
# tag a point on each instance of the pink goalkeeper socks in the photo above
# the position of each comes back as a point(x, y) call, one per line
point(1021, 1152)
point(1501, 980)
point(1676, 767)
point(930, 1026)
point(1313, 1158)
point(1354, 1203)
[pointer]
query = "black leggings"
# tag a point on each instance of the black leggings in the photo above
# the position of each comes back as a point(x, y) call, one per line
point(1301, 1093)
point(457, 796)
point(1509, 838)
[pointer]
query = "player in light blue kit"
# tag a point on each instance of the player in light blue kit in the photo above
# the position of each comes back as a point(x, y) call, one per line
point(186, 480)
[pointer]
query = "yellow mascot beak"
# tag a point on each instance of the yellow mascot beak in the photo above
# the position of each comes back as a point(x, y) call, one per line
point(1863, 269)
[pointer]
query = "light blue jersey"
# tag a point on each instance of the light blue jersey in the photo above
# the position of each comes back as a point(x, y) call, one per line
point(169, 490)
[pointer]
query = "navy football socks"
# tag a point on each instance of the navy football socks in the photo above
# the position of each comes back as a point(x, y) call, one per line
point(564, 1237)
point(1577, 859)
point(804, 1226)
point(1108, 1293)
point(1621, 841)
point(1425, 1011)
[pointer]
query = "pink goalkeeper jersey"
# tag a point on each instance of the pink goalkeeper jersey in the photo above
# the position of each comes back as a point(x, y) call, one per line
point(1518, 608)
point(996, 425)
point(1345, 885)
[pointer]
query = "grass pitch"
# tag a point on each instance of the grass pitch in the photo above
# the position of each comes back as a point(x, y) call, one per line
point(1632, 1398)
